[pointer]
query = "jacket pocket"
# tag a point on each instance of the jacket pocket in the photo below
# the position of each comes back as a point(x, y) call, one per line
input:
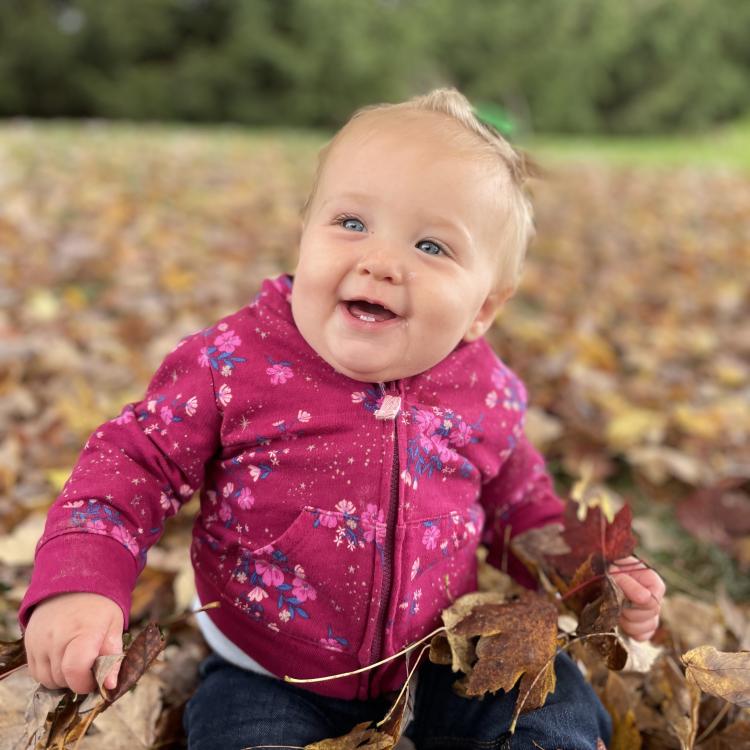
point(299, 584)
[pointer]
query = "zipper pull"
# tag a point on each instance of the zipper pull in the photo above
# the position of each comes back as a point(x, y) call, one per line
point(389, 408)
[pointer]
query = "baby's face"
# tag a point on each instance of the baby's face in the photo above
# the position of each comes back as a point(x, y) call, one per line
point(398, 254)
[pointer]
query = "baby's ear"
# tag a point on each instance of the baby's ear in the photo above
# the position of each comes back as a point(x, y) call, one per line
point(487, 313)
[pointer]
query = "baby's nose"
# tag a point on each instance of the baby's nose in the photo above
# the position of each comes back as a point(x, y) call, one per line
point(382, 264)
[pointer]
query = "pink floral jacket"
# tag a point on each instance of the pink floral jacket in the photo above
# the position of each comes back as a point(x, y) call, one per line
point(337, 519)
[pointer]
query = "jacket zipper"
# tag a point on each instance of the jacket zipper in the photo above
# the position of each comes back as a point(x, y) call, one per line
point(390, 532)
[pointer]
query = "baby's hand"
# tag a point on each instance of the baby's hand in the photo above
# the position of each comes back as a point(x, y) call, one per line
point(643, 589)
point(64, 636)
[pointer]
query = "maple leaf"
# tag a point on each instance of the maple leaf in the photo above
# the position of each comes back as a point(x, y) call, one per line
point(518, 640)
point(595, 538)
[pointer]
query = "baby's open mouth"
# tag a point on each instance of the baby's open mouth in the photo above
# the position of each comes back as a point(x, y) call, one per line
point(370, 312)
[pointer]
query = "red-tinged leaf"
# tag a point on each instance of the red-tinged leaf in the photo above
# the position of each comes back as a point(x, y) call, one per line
point(718, 514)
point(596, 538)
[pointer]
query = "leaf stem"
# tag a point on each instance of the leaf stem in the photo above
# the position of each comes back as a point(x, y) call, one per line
point(411, 646)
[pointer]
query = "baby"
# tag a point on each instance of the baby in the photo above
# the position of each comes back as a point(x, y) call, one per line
point(354, 438)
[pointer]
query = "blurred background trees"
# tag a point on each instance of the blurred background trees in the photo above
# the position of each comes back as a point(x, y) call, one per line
point(572, 66)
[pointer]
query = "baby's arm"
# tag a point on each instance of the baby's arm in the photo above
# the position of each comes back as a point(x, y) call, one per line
point(64, 636)
point(522, 497)
point(133, 472)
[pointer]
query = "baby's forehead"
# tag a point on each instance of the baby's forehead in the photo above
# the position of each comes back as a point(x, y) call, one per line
point(403, 129)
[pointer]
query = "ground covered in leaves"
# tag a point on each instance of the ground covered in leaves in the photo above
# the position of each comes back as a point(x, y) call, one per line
point(631, 330)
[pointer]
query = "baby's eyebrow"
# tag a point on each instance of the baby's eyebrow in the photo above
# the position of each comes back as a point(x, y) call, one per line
point(353, 196)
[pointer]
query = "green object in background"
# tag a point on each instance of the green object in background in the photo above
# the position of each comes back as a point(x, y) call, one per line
point(493, 114)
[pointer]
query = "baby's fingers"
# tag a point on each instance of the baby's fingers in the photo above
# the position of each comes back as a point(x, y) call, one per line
point(76, 663)
point(632, 590)
point(637, 614)
point(640, 631)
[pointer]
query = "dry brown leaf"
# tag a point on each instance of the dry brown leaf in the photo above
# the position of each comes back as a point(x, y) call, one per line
point(12, 656)
point(362, 737)
point(724, 674)
point(462, 649)
point(518, 640)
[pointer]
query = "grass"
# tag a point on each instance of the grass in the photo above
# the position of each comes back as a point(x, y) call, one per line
point(727, 146)
point(724, 147)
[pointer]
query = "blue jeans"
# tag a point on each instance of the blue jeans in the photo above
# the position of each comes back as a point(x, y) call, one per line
point(234, 709)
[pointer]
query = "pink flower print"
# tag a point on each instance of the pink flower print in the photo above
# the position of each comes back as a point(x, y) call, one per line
point(96, 526)
point(166, 415)
point(358, 397)
point(303, 416)
point(329, 519)
point(346, 507)
point(124, 418)
point(491, 399)
point(126, 538)
point(245, 499)
point(498, 378)
point(331, 644)
point(414, 569)
point(224, 396)
point(373, 524)
point(461, 435)
point(303, 590)
point(168, 502)
point(228, 489)
point(299, 571)
point(440, 446)
point(257, 594)
point(225, 512)
point(191, 406)
point(270, 574)
point(430, 537)
point(203, 358)
point(227, 342)
point(279, 374)
point(427, 421)
point(73, 504)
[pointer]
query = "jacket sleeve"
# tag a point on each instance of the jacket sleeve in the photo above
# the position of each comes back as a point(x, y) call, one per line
point(133, 472)
point(519, 498)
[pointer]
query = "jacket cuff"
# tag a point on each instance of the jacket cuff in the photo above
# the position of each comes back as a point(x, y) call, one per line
point(81, 562)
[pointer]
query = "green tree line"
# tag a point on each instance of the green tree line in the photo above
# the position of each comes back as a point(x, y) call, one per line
point(580, 66)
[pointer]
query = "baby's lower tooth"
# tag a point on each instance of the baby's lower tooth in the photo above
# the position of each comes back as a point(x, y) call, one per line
point(367, 318)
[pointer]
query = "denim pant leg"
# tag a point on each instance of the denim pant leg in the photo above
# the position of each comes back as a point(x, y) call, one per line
point(234, 709)
point(571, 719)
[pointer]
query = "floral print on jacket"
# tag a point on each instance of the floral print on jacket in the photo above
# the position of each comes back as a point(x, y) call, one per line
point(337, 518)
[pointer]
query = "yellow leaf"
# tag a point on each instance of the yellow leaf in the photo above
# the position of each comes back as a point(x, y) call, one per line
point(720, 673)
point(635, 427)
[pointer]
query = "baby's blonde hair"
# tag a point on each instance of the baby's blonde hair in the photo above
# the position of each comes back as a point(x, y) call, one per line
point(493, 147)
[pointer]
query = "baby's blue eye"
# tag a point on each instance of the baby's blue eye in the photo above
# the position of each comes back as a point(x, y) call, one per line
point(432, 248)
point(354, 224)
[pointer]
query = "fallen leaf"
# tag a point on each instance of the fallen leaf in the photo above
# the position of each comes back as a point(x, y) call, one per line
point(724, 674)
point(518, 640)
point(12, 656)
